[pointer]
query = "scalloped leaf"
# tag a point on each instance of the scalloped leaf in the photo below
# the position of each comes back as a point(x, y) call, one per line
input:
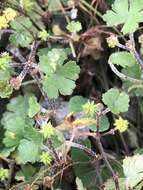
point(128, 13)
point(124, 59)
point(116, 101)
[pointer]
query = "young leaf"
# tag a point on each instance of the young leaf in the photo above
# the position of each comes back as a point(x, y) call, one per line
point(34, 106)
point(28, 151)
point(123, 59)
point(133, 170)
point(128, 13)
point(76, 103)
point(116, 101)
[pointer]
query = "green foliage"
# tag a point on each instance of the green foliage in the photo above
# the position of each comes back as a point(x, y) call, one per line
point(116, 101)
point(22, 36)
point(58, 73)
point(110, 185)
point(28, 151)
point(19, 131)
point(45, 131)
point(104, 125)
point(5, 89)
point(56, 5)
point(123, 59)
point(34, 106)
point(4, 173)
point(133, 170)
point(130, 17)
point(74, 27)
point(84, 170)
point(4, 61)
point(25, 173)
point(79, 184)
point(76, 103)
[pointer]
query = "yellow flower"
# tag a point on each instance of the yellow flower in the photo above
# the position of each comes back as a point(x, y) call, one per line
point(3, 22)
point(9, 14)
point(121, 124)
point(43, 35)
point(112, 41)
point(46, 158)
point(89, 108)
point(47, 130)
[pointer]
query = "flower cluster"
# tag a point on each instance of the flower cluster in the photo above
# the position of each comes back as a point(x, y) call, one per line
point(47, 130)
point(89, 108)
point(4, 173)
point(112, 41)
point(8, 15)
point(121, 124)
point(46, 158)
point(43, 35)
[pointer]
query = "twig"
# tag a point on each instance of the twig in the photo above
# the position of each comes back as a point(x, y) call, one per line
point(82, 147)
point(57, 159)
point(11, 168)
point(124, 77)
point(134, 52)
point(101, 150)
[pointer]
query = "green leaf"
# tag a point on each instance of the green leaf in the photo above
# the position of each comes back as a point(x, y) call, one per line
point(74, 26)
point(134, 72)
point(32, 134)
point(84, 170)
point(110, 184)
point(11, 139)
point(14, 124)
point(21, 23)
point(104, 124)
point(70, 70)
point(28, 151)
point(17, 105)
point(133, 170)
point(25, 173)
point(56, 5)
point(6, 151)
point(79, 184)
point(76, 103)
point(34, 106)
point(53, 59)
point(5, 59)
point(5, 75)
point(61, 74)
point(116, 101)
point(54, 85)
point(123, 59)
point(128, 13)
point(22, 38)
point(5, 89)
point(58, 141)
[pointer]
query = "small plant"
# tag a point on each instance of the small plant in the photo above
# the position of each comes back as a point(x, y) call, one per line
point(71, 90)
